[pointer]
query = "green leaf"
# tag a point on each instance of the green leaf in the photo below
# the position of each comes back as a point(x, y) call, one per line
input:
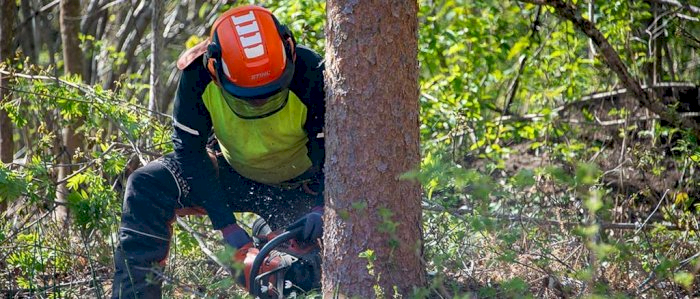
point(560, 175)
point(587, 173)
point(524, 178)
point(685, 279)
point(11, 185)
point(74, 182)
point(518, 47)
point(516, 287)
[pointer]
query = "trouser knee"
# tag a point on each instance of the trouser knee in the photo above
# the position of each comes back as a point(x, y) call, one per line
point(150, 199)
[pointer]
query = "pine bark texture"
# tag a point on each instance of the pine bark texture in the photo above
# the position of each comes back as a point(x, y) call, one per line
point(72, 64)
point(8, 11)
point(372, 137)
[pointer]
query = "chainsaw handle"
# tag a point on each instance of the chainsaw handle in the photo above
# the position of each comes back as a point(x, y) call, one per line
point(253, 288)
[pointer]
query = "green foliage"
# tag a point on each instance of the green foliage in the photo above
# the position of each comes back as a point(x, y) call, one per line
point(11, 186)
point(519, 179)
point(92, 201)
point(34, 258)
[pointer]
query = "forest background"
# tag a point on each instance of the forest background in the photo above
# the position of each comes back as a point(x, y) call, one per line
point(559, 143)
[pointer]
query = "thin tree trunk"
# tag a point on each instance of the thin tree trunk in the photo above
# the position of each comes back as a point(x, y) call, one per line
point(591, 17)
point(8, 10)
point(73, 64)
point(372, 137)
point(131, 38)
point(88, 26)
point(30, 44)
point(154, 95)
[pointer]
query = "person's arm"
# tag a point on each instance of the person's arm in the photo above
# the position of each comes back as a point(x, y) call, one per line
point(192, 125)
point(308, 85)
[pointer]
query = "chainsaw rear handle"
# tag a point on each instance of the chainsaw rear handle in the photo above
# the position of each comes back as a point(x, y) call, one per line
point(253, 288)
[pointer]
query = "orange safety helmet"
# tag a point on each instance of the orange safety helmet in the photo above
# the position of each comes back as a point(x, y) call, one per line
point(251, 55)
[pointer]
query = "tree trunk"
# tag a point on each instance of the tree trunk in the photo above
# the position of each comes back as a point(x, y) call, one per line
point(88, 26)
point(129, 39)
point(8, 11)
point(73, 64)
point(31, 41)
point(372, 137)
point(154, 99)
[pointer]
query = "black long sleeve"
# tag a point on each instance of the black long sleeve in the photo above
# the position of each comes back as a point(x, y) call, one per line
point(308, 85)
point(193, 124)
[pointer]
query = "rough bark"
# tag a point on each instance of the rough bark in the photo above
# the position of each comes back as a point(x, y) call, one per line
point(372, 137)
point(8, 12)
point(73, 64)
point(610, 57)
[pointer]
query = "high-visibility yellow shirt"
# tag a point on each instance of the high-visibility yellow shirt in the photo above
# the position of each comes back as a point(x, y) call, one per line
point(268, 150)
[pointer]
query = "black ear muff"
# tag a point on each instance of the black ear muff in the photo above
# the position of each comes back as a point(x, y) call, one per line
point(287, 38)
point(214, 51)
point(211, 58)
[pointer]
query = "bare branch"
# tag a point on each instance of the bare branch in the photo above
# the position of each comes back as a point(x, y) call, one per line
point(688, 7)
point(204, 247)
point(591, 97)
point(567, 224)
point(570, 12)
point(86, 166)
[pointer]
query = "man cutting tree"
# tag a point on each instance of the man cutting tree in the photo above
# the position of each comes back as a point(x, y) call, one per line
point(262, 94)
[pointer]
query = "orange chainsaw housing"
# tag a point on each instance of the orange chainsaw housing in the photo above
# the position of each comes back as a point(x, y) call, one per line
point(273, 262)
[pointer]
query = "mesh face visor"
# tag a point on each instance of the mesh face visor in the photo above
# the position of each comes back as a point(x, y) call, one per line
point(259, 108)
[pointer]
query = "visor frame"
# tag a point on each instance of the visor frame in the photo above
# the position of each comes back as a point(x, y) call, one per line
point(232, 101)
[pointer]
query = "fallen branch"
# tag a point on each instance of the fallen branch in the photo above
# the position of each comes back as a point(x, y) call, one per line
point(204, 247)
point(174, 282)
point(12, 293)
point(610, 57)
point(567, 224)
point(688, 7)
point(585, 99)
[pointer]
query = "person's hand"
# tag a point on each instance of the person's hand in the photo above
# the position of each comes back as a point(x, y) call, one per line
point(235, 236)
point(312, 224)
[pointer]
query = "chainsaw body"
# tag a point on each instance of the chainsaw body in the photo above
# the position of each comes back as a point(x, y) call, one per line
point(282, 266)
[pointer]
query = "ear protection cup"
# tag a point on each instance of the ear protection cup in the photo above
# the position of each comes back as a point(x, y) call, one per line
point(287, 38)
point(212, 54)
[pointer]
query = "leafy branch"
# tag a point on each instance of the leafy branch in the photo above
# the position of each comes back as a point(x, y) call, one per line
point(612, 59)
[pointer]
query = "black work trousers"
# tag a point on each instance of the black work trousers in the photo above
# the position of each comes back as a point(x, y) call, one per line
point(157, 192)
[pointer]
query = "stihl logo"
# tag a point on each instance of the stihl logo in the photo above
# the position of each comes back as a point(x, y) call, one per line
point(249, 35)
point(260, 75)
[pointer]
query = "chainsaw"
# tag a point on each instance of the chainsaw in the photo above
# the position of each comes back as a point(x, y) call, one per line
point(282, 267)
